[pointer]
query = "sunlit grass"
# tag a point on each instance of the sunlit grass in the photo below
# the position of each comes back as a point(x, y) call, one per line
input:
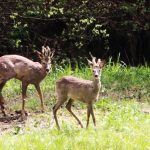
point(120, 125)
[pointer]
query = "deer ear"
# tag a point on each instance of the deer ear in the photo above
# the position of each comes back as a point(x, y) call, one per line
point(102, 63)
point(90, 63)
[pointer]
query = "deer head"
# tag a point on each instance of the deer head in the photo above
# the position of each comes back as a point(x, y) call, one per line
point(96, 66)
point(46, 56)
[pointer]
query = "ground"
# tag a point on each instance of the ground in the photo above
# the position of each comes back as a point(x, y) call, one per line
point(14, 122)
point(11, 122)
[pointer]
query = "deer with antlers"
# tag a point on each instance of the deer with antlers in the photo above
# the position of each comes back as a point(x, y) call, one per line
point(27, 71)
point(72, 88)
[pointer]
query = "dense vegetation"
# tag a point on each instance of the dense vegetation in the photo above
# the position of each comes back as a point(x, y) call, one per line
point(73, 28)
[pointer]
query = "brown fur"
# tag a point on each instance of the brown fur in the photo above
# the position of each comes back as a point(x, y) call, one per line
point(73, 88)
point(25, 70)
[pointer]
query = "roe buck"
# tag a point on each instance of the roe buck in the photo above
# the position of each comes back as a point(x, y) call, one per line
point(27, 71)
point(72, 88)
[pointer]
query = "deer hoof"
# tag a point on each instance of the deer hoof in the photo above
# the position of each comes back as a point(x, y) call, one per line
point(22, 112)
point(42, 110)
point(4, 114)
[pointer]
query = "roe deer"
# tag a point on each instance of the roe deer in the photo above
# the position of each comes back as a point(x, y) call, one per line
point(27, 71)
point(72, 88)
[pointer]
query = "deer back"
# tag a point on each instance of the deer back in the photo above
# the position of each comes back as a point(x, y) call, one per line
point(77, 89)
point(19, 67)
point(24, 69)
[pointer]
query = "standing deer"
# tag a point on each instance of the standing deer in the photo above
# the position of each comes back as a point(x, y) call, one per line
point(27, 71)
point(72, 88)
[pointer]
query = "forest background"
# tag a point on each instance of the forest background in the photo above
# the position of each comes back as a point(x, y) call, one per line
point(106, 28)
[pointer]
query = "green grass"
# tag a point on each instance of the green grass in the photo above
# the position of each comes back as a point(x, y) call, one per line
point(121, 122)
point(120, 125)
point(118, 82)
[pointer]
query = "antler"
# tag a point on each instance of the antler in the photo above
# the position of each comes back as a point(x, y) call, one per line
point(99, 61)
point(51, 52)
point(46, 51)
point(93, 59)
point(43, 50)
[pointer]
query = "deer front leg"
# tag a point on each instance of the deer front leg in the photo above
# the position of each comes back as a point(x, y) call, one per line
point(37, 86)
point(2, 99)
point(56, 107)
point(88, 114)
point(2, 105)
point(93, 117)
point(24, 96)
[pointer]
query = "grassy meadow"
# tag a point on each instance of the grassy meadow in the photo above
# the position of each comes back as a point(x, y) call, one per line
point(122, 113)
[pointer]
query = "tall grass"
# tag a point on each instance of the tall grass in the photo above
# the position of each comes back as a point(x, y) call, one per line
point(118, 82)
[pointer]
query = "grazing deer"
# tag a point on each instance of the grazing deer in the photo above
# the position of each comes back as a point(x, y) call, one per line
point(72, 88)
point(27, 71)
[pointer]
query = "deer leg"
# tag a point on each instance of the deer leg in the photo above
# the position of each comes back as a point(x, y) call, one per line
point(24, 96)
point(2, 99)
point(40, 95)
point(68, 106)
point(89, 108)
point(55, 108)
point(93, 117)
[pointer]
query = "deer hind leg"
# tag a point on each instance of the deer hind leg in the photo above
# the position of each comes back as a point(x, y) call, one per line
point(56, 107)
point(24, 96)
point(37, 86)
point(68, 106)
point(2, 99)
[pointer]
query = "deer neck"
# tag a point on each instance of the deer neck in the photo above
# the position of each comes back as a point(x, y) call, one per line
point(43, 71)
point(96, 84)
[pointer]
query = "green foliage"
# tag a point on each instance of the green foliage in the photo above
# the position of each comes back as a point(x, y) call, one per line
point(135, 11)
point(86, 31)
point(19, 32)
point(55, 11)
point(132, 82)
point(72, 27)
